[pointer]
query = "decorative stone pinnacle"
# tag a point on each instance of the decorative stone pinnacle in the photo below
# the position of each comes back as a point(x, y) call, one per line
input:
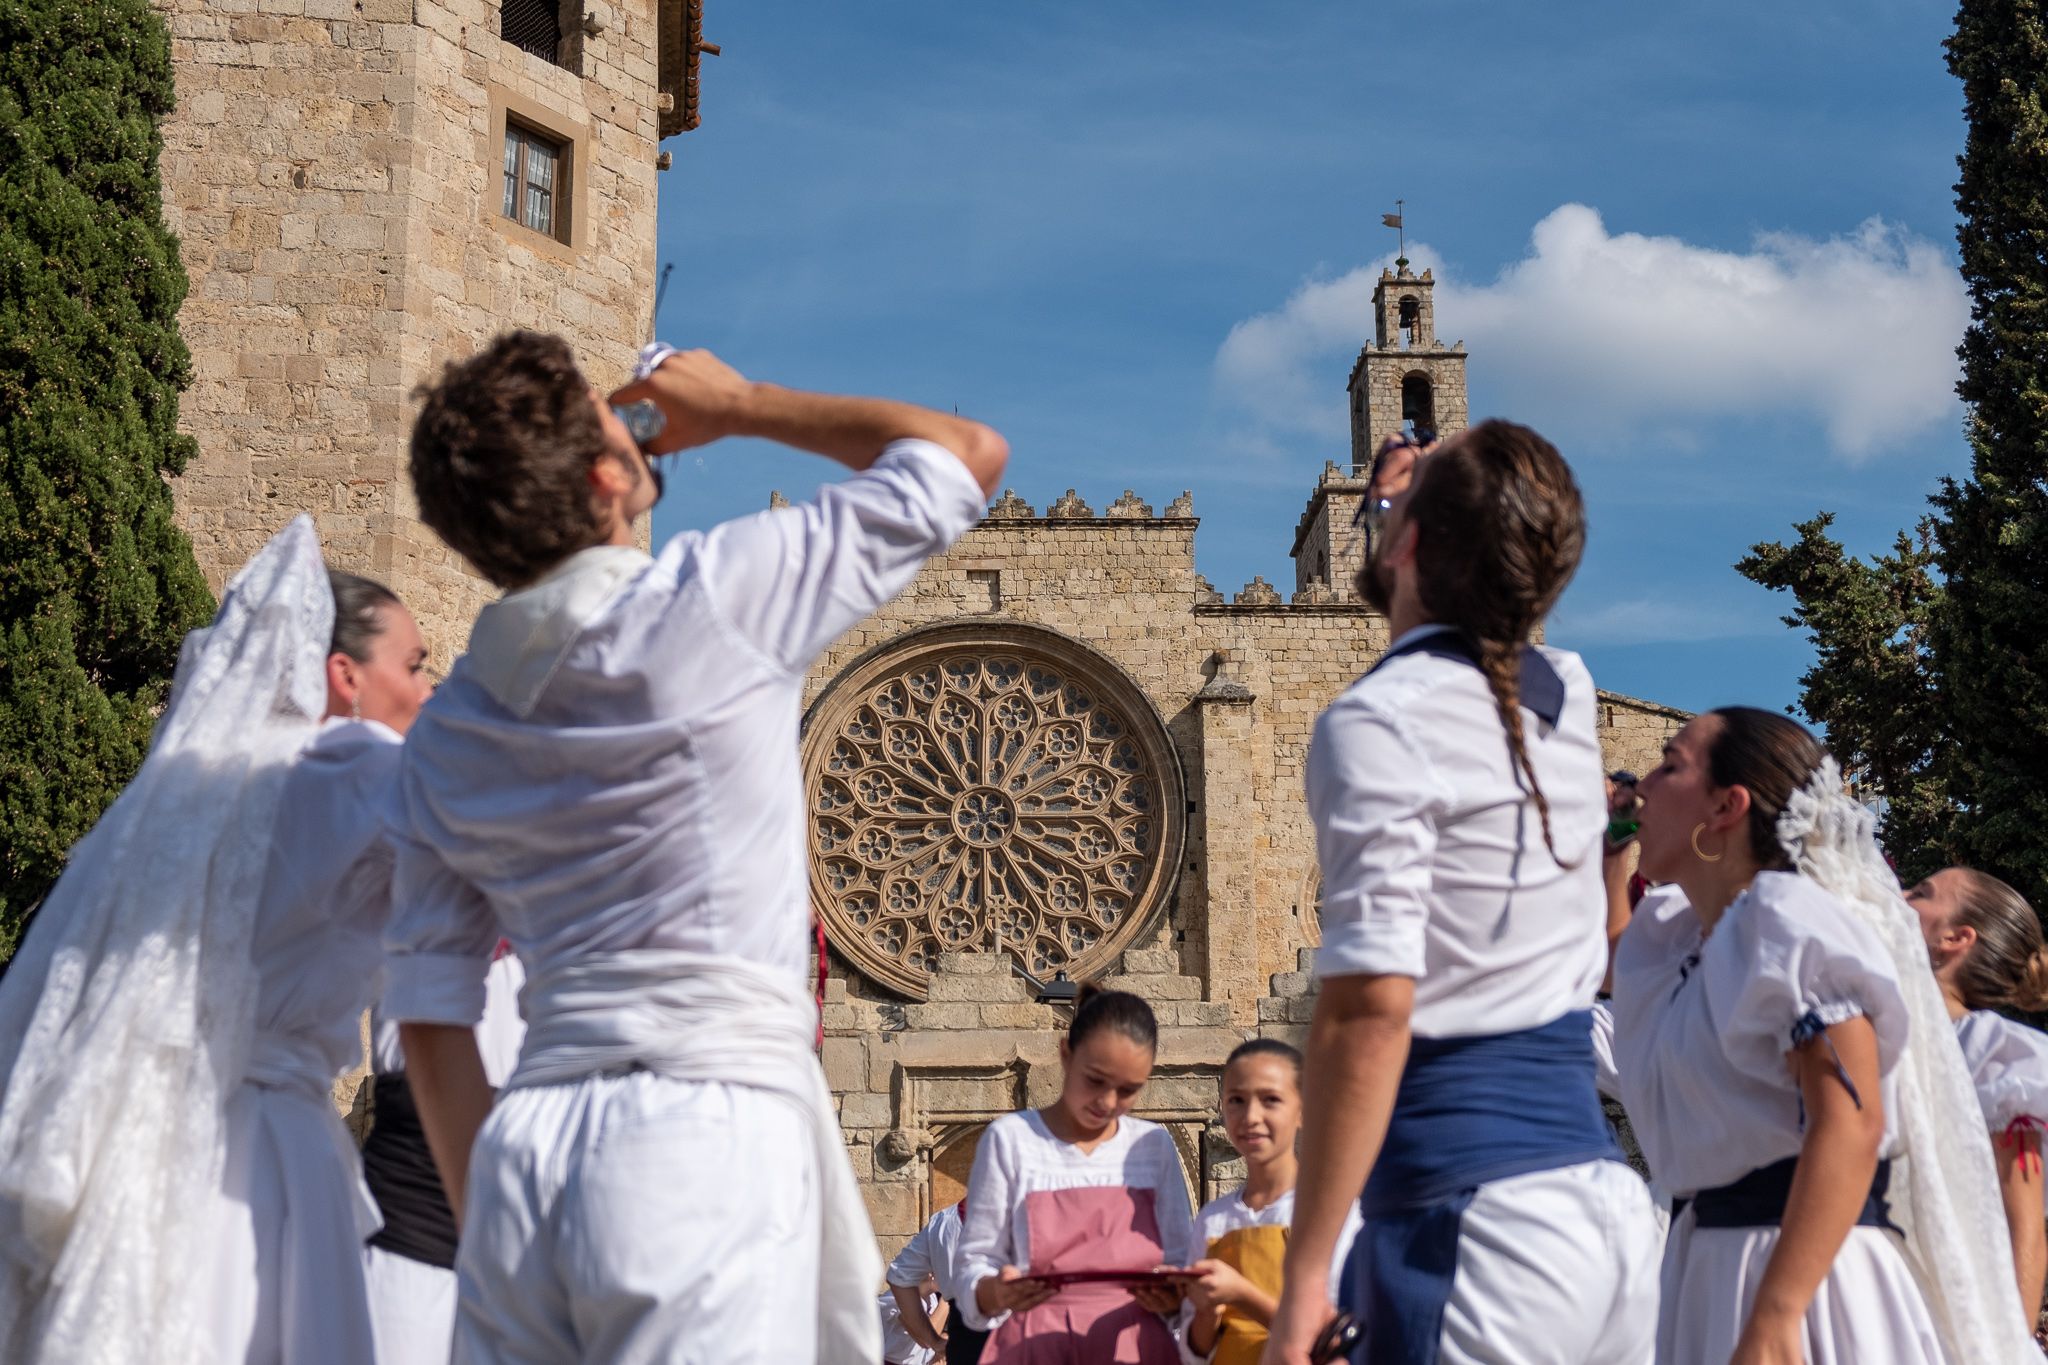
point(1258, 593)
point(1010, 507)
point(1069, 508)
point(775, 499)
point(1182, 506)
point(1129, 506)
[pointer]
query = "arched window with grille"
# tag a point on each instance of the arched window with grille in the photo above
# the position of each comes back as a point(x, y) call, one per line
point(1418, 402)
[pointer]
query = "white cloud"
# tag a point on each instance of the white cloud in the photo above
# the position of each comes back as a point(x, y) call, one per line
point(1647, 621)
point(1618, 333)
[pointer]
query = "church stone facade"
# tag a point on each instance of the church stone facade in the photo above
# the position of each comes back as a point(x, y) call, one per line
point(1061, 754)
point(1061, 751)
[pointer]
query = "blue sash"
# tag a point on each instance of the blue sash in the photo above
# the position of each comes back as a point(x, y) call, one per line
point(1469, 1111)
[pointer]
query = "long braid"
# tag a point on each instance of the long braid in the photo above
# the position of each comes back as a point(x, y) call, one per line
point(1502, 527)
point(1501, 663)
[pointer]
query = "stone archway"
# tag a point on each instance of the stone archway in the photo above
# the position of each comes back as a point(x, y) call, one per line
point(991, 788)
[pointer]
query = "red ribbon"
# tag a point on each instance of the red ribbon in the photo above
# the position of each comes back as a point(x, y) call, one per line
point(2015, 1137)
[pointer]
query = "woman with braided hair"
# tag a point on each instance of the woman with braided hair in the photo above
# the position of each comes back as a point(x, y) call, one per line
point(1984, 942)
point(1458, 802)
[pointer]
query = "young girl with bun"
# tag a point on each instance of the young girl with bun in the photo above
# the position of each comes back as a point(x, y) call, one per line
point(1985, 944)
point(1080, 1186)
point(1243, 1234)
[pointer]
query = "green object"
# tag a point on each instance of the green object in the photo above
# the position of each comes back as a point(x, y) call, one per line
point(1931, 675)
point(1621, 831)
point(97, 584)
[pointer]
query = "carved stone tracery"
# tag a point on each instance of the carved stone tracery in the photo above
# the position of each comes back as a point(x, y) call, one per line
point(989, 789)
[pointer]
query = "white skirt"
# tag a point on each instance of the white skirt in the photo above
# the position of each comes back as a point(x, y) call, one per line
point(1868, 1311)
point(412, 1309)
point(286, 1235)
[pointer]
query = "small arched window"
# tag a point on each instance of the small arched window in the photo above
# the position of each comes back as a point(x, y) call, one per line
point(1418, 402)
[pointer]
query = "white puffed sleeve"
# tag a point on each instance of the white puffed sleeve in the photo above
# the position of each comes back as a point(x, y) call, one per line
point(1374, 797)
point(1787, 961)
point(2009, 1066)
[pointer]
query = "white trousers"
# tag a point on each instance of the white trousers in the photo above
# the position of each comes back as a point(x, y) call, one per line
point(638, 1220)
point(412, 1308)
point(1556, 1268)
point(1868, 1311)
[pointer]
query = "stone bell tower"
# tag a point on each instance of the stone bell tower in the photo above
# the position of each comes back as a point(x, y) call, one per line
point(1405, 379)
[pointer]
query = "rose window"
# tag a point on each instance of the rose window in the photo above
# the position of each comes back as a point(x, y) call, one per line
point(988, 791)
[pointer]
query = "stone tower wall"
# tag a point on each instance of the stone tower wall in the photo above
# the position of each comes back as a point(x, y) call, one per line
point(332, 170)
point(1376, 395)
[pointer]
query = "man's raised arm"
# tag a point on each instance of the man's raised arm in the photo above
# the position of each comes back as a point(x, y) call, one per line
point(703, 399)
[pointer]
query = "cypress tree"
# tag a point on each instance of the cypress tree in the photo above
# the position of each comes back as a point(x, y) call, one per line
point(1932, 674)
point(1991, 529)
point(97, 584)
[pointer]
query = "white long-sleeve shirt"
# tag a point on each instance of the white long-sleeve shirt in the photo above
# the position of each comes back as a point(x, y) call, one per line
point(614, 763)
point(934, 1251)
point(1434, 865)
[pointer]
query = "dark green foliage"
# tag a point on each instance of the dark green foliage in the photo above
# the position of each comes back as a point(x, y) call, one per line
point(97, 584)
point(1938, 690)
point(1872, 683)
point(1992, 529)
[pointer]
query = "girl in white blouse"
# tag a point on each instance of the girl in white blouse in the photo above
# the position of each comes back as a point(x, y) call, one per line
point(1762, 1035)
point(1985, 944)
point(1080, 1186)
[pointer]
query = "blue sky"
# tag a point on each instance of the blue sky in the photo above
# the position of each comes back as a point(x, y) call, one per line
point(1707, 248)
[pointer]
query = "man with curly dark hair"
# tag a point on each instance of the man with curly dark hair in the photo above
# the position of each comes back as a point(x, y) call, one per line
point(609, 779)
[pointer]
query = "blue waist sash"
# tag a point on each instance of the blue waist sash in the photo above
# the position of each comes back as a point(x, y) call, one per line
point(1758, 1199)
point(1469, 1111)
point(1472, 1110)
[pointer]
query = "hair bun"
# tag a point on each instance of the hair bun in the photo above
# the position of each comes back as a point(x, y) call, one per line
point(2031, 994)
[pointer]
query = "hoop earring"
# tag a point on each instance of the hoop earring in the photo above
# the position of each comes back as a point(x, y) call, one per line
point(1701, 854)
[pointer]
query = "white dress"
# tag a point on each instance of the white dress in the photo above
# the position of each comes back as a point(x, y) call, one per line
point(412, 1303)
point(610, 778)
point(289, 1223)
point(1702, 1027)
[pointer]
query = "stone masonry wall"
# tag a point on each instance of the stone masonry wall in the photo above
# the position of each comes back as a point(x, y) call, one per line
point(1238, 685)
point(333, 172)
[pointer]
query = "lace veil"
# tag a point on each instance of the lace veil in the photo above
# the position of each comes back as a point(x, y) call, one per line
point(126, 1016)
point(1950, 1211)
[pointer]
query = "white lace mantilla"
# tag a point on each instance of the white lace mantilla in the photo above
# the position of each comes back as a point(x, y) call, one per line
point(1950, 1208)
point(127, 1015)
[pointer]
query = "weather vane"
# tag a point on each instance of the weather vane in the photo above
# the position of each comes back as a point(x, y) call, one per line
point(1393, 220)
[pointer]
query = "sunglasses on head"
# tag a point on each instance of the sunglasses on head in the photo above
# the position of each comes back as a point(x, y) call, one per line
point(1371, 515)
